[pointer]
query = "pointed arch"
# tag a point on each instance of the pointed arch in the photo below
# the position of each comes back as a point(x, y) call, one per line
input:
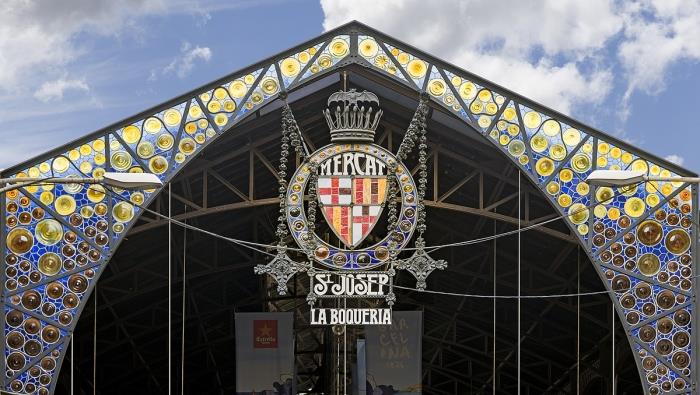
point(75, 230)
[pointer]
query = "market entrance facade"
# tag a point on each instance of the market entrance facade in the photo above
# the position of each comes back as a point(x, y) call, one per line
point(495, 163)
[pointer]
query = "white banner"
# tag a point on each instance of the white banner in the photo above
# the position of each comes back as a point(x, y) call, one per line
point(265, 353)
point(394, 355)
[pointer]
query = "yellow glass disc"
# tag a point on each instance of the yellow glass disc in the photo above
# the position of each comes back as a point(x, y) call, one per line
point(509, 114)
point(131, 134)
point(523, 159)
point(368, 48)
point(484, 121)
point(571, 136)
point(96, 193)
point(566, 175)
point(513, 130)
point(582, 229)
point(634, 207)
point(614, 213)
point(467, 90)
point(229, 105)
point(195, 111)
point(581, 163)
point(85, 150)
point(200, 138)
point(539, 143)
point(99, 159)
point(532, 119)
point(615, 153)
point(237, 89)
point(73, 154)
point(553, 188)
point(86, 167)
point(120, 160)
point(303, 57)
point(137, 198)
point(187, 145)
point(65, 205)
point(602, 161)
point(49, 264)
point(33, 172)
point(145, 149)
point(190, 128)
point(269, 86)
point(86, 211)
point(60, 164)
point(603, 148)
point(578, 213)
point(220, 119)
point(564, 200)
point(544, 167)
point(403, 58)
point(652, 187)
point(476, 107)
point(220, 93)
point(640, 165)
point(600, 211)
point(44, 167)
point(550, 127)
point(516, 148)
point(179, 157)
point(214, 106)
point(604, 195)
point(256, 98)
point(491, 108)
point(339, 47)
point(165, 141)
point(504, 139)
point(48, 232)
point(249, 79)
point(484, 95)
point(416, 68)
point(626, 158)
point(325, 61)
point(582, 188)
point(666, 189)
point(436, 87)
point(557, 152)
point(652, 199)
point(290, 67)
point(628, 190)
point(152, 125)
point(98, 145)
point(172, 117)
point(158, 164)
point(123, 212)
point(46, 197)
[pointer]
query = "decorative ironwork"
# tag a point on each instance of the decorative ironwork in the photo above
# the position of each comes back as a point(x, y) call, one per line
point(657, 235)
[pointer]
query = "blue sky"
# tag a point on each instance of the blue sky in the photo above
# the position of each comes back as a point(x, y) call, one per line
point(70, 67)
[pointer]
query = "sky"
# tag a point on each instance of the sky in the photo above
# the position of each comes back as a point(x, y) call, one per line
point(628, 68)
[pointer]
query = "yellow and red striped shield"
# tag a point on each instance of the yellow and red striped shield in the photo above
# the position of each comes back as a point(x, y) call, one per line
point(351, 205)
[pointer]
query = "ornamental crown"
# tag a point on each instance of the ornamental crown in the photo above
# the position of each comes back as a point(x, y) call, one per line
point(352, 118)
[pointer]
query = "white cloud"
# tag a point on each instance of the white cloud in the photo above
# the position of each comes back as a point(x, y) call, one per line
point(561, 53)
point(538, 49)
point(183, 64)
point(677, 159)
point(54, 90)
point(39, 36)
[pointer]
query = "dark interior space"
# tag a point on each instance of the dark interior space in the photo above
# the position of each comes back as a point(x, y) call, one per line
point(230, 189)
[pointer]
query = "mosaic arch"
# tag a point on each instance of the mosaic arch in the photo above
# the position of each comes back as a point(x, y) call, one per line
point(56, 240)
